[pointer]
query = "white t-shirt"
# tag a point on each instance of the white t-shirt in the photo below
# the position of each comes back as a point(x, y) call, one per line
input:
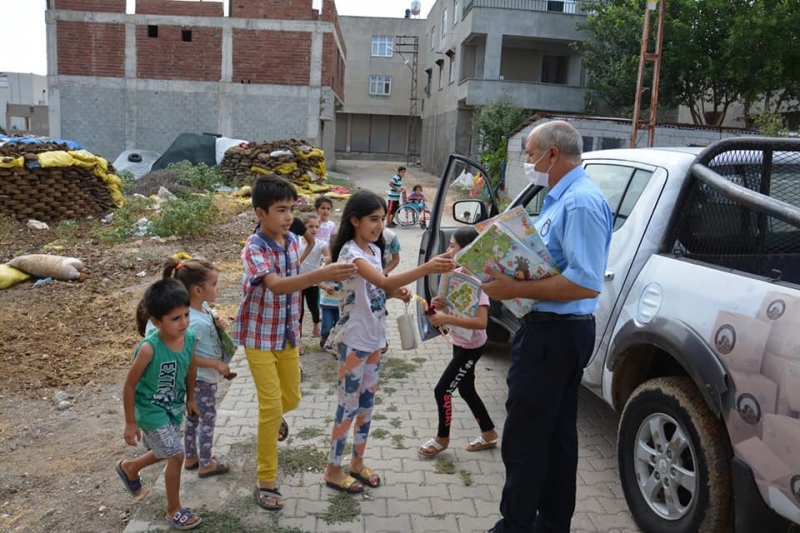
point(362, 305)
point(314, 259)
point(326, 230)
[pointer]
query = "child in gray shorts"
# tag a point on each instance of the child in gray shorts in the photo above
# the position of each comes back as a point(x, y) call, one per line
point(159, 386)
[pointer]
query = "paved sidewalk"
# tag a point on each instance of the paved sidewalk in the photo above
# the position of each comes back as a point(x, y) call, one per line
point(413, 497)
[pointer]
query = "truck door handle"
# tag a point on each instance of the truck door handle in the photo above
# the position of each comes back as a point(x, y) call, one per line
point(609, 275)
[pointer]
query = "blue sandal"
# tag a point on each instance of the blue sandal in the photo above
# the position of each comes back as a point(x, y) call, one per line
point(134, 486)
point(179, 520)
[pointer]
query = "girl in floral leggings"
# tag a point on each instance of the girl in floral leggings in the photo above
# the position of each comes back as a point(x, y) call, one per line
point(360, 334)
point(200, 279)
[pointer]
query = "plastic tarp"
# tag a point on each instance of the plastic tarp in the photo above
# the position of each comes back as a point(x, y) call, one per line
point(223, 143)
point(123, 162)
point(38, 140)
point(193, 147)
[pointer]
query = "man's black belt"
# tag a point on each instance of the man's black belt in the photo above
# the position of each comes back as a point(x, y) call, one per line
point(543, 316)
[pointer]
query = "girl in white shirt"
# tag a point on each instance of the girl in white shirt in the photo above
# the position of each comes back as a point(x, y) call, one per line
point(360, 333)
point(319, 255)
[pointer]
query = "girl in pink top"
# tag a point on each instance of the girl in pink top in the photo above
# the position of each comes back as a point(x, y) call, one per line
point(460, 373)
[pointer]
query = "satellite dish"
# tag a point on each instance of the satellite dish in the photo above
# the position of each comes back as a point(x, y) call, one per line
point(416, 7)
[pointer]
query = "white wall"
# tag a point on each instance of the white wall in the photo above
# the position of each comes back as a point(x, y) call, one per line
point(21, 88)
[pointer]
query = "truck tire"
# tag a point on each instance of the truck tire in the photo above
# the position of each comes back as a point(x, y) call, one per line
point(674, 460)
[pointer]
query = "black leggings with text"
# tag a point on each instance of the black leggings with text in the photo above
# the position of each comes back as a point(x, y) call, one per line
point(460, 374)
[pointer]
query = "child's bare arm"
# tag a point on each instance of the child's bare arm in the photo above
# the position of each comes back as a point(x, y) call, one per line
point(440, 318)
point(438, 264)
point(191, 380)
point(335, 272)
point(143, 358)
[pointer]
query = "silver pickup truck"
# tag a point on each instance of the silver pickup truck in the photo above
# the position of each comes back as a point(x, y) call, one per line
point(698, 325)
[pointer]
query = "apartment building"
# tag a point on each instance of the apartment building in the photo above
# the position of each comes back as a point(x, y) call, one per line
point(374, 120)
point(479, 50)
point(122, 78)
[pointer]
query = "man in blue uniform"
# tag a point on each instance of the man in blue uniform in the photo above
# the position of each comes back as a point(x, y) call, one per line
point(556, 340)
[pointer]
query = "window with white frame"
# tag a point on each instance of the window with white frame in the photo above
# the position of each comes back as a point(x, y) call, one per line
point(455, 12)
point(382, 46)
point(380, 85)
point(444, 22)
point(452, 67)
point(441, 73)
point(433, 37)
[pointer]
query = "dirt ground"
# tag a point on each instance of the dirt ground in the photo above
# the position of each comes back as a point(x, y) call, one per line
point(78, 337)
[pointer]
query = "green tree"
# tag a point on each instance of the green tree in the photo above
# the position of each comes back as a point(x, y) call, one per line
point(715, 52)
point(493, 123)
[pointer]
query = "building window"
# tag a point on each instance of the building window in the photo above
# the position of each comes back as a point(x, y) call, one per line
point(555, 69)
point(433, 36)
point(380, 85)
point(444, 22)
point(152, 31)
point(186, 36)
point(440, 63)
point(382, 46)
point(452, 68)
point(455, 12)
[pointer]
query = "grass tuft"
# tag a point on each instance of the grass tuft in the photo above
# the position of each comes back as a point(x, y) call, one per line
point(341, 508)
point(445, 466)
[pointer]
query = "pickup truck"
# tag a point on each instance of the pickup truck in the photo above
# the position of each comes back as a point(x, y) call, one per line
point(698, 325)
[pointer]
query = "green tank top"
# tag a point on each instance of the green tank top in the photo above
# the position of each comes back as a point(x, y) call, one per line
point(161, 391)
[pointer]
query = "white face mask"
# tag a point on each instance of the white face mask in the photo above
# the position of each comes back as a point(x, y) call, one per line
point(535, 176)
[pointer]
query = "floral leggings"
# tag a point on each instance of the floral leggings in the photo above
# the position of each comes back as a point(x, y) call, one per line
point(358, 383)
point(198, 433)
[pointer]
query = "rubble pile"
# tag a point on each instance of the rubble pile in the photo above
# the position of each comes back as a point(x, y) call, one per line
point(53, 180)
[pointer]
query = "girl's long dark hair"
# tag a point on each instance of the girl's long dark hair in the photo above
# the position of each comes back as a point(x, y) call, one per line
point(363, 203)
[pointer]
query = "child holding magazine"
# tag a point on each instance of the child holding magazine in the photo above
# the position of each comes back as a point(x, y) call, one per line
point(360, 334)
point(460, 373)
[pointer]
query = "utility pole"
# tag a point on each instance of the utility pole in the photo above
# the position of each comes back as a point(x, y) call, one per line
point(407, 47)
point(655, 57)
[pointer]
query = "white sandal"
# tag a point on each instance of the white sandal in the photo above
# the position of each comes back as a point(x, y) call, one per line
point(438, 448)
point(480, 444)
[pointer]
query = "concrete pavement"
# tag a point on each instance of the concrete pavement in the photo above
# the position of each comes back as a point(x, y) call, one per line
point(414, 497)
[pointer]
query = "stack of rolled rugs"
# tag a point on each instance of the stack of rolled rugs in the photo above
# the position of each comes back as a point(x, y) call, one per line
point(54, 180)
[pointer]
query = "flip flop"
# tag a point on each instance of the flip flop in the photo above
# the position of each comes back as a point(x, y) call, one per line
point(437, 448)
point(481, 444)
point(179, 520)
point(365, 476)
point(134, 486)
point(267, 493)
point(222, 468)
point(347, 485)
point(283, 432)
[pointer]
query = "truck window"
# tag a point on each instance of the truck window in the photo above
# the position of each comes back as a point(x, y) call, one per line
point(621, 186)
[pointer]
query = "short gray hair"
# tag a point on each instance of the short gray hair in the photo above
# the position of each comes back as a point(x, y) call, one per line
point(560, 134)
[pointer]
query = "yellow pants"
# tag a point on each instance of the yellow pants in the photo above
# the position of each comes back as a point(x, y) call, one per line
point(276, 375)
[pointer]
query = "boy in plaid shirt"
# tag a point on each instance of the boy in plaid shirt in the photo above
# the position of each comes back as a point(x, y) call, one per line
point(268, 320)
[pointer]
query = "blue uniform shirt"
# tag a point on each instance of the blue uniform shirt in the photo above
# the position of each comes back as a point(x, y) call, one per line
point(576, 225)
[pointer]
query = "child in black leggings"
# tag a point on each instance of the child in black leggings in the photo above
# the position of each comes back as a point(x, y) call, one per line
point(460, 373)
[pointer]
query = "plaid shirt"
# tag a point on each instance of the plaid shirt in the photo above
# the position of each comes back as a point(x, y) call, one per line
point(266, 321)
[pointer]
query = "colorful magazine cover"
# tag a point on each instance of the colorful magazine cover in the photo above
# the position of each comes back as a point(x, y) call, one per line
point(499, 247)
point(520, 223)
point(462, 293)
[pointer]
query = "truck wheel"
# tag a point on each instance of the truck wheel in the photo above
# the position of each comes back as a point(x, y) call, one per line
point(674, 459)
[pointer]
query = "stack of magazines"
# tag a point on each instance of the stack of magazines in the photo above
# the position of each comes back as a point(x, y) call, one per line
point(510, 244)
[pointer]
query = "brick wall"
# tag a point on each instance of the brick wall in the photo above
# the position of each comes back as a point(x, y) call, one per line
point(271, 57)
point(108, 6)
point(272, 9)
point(171, 7)
point(168, 57)
point(91, 49)
point(330, 14)
point(332, 65)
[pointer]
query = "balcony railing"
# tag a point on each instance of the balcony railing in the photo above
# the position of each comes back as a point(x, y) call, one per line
point(578, 7)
